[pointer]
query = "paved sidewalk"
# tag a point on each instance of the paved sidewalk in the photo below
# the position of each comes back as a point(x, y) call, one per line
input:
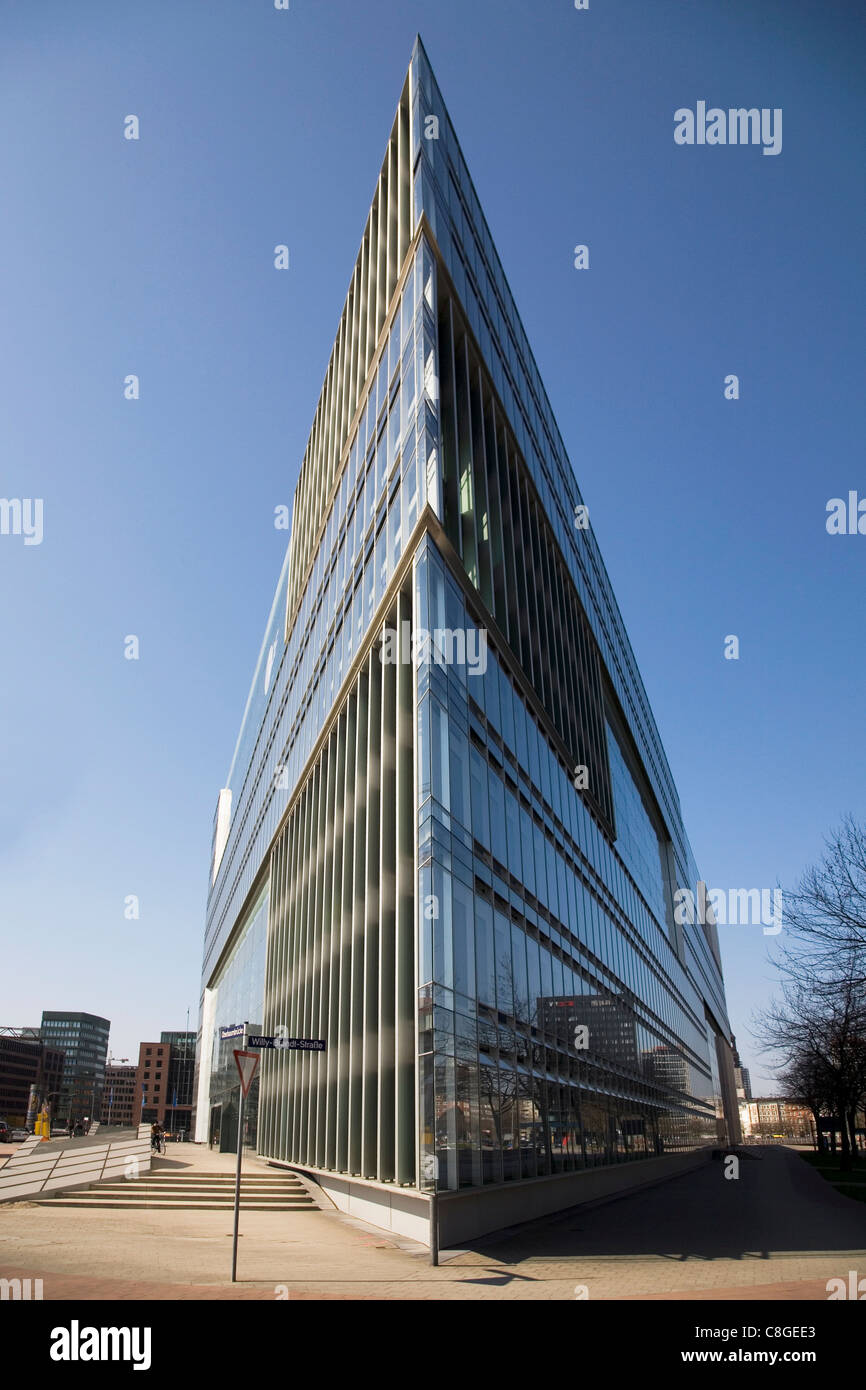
point(778, 1232)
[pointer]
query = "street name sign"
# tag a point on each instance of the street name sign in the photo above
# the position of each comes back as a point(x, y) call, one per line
point(295, 1044)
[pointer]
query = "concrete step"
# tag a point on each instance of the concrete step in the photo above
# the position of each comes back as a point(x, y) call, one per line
point(157, 1204)
point(145, 1185)
point(156, 1176)
point(166, 1183)
point(155, 1189)
point(195, 1199)
point(222, 1179)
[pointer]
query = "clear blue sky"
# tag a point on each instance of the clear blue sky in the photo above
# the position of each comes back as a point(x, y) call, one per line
point(156, 257)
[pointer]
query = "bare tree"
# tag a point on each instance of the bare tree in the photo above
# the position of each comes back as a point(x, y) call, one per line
point(826, 915)
point(819, 1028)
point(804, 1083)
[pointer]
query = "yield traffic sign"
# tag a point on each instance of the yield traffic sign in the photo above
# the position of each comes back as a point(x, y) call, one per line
point(247, 1064)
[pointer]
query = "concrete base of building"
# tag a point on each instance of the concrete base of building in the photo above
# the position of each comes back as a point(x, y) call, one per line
point(479, 1211)
point(400, 1210)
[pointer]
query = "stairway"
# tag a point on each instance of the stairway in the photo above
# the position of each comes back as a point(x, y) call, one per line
point(193, 1192)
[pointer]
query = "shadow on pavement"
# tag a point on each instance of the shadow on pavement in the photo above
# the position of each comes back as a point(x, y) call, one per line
point(778, 1206)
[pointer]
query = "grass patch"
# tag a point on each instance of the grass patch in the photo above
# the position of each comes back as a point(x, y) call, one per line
point(851, 1183)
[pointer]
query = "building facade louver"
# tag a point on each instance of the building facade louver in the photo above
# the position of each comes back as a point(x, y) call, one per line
point(449, 842)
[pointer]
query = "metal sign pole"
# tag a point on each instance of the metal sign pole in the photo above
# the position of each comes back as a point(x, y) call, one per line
point(238, 1187)
point(434, 1227)
point(246, 1074)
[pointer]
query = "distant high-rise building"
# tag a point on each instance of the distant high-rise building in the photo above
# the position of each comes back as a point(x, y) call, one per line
point(449, 805)
point(741, 1074)
point(610, 1024)
point(743, 1082)
point(83, 1038)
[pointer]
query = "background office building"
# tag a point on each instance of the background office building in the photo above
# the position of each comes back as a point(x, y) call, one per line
point(773, 1117)
point(118, 1096)
point(449, 839)
point(83, 1038)
point(164, 1081)
point(27, 1061)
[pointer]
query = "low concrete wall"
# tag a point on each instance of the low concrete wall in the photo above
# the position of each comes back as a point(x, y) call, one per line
point(479, 1210)
point(400, 1210)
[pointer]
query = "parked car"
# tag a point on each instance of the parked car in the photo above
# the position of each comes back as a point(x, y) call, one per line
point(19, 1134)
point(5, 1133)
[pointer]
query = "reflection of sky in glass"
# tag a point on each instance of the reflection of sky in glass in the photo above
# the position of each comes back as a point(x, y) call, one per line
point(241, 984)
point(260, 688)
point(636, 840)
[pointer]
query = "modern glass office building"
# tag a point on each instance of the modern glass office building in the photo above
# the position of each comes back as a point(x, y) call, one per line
point(83, 1038)
point(449, 842)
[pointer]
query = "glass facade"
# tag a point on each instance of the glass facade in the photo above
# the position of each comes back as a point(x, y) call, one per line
point(531, 926)
point(458, 875)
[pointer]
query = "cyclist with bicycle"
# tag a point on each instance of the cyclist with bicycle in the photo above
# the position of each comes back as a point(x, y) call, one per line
point(157, 1141)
